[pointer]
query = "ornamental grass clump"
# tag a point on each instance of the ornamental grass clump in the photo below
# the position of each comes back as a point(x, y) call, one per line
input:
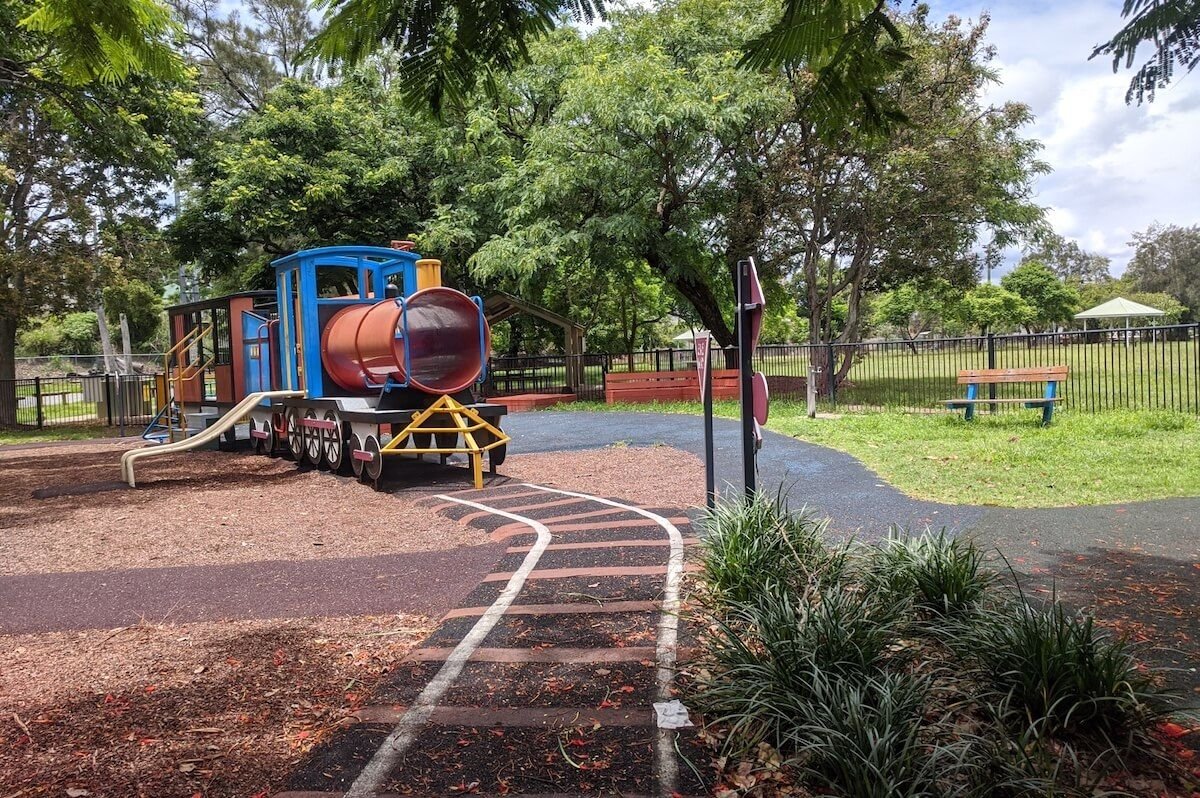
point(904, 668)
point(757, 541)
point(940, 574)
point(1056, 672)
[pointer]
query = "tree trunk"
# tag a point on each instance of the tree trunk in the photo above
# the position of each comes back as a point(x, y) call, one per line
point(8, 371)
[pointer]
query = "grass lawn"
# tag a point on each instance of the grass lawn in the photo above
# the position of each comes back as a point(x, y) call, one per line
point(1006, 459)
point(80, 432)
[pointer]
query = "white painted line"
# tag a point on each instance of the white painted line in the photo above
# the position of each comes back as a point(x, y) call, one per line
point(413, 721)
point(666, 765)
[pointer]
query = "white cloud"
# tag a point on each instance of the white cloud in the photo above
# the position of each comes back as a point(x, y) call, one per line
point(1117, 168)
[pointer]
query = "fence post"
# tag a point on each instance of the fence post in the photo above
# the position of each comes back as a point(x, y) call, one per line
point(991, 354)
point(831, 368)
point(671, 359)
point(108, 397)
point(37, 393)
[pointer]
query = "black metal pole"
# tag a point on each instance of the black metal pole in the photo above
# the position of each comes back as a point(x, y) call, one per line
point(745, 376)
point(710, 466)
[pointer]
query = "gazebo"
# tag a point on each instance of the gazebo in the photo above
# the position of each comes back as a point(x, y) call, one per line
point(1119, 308)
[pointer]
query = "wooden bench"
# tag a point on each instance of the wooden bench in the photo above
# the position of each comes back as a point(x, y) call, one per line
point(666, 386)
point(973, 378)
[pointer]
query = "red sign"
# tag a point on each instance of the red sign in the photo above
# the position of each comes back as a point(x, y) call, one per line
point(702, 343)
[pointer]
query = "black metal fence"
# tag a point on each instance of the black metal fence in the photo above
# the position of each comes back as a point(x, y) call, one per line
point(1148, 368)
point(103, 399)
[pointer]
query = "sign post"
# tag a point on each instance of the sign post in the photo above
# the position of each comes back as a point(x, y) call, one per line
point(753, 386)
point(703, 344)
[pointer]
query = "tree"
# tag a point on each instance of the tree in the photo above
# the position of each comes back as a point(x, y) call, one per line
point(850, 46)
point(444, 46)
point(914, 309)
point(240, 62)
point(1052, 301)
point(1166, 258)
point(51, 45)
point(1069, 261)
point(873, 213)
point(89, 132)
point(990, 307)
point(315, 166)
point(1093, 294)
point(1171, 27)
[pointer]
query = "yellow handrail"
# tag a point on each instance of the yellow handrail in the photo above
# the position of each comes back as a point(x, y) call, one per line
point(183, 374)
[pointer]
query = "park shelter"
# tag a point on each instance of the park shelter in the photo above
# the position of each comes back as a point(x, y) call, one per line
point(500, 306)
point(1119, 308)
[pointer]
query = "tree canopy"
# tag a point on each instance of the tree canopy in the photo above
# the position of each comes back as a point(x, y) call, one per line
point(1171, 28)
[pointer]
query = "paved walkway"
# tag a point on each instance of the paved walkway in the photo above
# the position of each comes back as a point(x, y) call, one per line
point(542, 681)
point(426, 582)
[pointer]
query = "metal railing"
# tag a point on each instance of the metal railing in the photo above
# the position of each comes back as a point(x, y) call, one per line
point(1147, 368)
point(101, 400)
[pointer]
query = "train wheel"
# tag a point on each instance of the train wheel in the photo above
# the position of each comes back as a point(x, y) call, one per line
point(255, 441)
point(421, 440)
point(333, 443)
point(355, 463)
point(373, 468)
point(312, 440)
point(447, 440)
point(267, 444)
point(295, 438)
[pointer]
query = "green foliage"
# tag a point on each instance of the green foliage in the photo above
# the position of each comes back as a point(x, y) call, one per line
point(70, 334)
point(911, 674)
point(444, 47)
point(1056, 671)
point(1053, 301)
point(851, 47)
point(1171, 27)
point(1069, 261)
point(941, 574)
point(1166, 259)
point(755, 543)
point(42, 337)
point(143, 308)
point(992, 308)
point(914, 308)
point(315, 167)
point(108, 42)
point(1093, 294)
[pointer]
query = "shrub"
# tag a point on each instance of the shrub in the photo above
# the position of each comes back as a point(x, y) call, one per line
point(866, 739)
point(1056, 672)
point(756, 541)
point(941, 574)
point(768, 653)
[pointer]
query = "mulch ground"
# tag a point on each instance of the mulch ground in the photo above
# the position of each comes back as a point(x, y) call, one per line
point(210, 709)
point(176, 701)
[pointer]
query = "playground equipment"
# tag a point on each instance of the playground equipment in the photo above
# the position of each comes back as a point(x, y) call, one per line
point(359, 354)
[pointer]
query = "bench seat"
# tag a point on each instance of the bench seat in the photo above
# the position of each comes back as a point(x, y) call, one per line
point(1052, 376)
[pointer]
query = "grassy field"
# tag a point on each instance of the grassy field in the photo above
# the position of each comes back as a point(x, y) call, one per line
point(75, 432)
point(1104, 375)
point(1006, 459)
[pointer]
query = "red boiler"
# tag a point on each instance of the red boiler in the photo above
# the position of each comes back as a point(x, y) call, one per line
point(363, 345)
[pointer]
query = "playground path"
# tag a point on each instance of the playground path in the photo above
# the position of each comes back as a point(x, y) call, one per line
point(424, 582)
point(1136, 564)
point(543, 680)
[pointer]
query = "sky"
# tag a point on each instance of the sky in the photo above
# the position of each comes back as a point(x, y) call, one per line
point(1117, 168)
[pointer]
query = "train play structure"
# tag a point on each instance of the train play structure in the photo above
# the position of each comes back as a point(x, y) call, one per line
point(359, 355)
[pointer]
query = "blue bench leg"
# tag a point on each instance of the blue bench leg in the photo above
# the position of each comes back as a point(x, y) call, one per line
point(969, 412)
point(1047, 413)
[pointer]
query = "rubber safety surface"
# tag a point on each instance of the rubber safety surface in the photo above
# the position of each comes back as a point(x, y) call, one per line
point(543, 680)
